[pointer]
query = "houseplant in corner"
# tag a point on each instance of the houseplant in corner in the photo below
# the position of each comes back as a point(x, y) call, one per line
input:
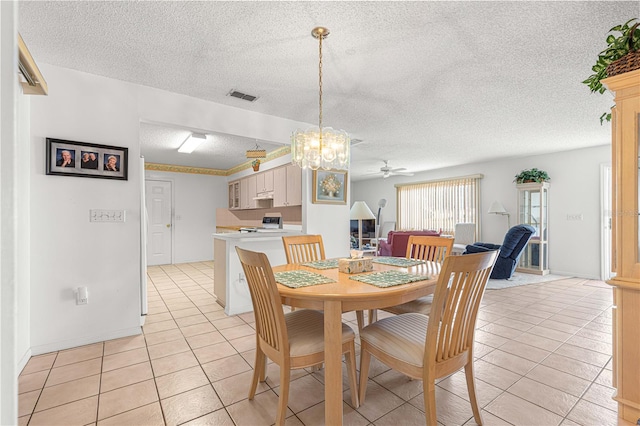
point(532, 175)
point(621, 55)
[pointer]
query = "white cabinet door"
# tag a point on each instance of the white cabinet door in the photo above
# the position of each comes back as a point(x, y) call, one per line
point(280, 187)
point(294, 185)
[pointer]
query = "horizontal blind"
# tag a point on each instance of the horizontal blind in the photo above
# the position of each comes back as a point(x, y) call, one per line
point(439, 204)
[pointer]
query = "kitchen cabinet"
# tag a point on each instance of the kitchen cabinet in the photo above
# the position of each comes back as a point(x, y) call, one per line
point(287, 182)
point(264, 182)
point(234, 195)
point(248, 193)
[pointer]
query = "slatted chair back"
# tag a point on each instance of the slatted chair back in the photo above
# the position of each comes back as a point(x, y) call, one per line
point(433, 249)
point(460, 287)
point(303, 248)
point(267, 307)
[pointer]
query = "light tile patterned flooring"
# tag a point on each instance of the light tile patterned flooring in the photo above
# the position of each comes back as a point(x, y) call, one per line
point(543, 358)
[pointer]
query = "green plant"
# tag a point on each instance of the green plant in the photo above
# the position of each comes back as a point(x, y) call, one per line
point(255, 162)
point(617, 47)
point(532, 175)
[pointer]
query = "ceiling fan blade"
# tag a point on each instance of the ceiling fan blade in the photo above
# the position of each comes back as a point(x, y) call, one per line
point(403, 173)
point(399, 169)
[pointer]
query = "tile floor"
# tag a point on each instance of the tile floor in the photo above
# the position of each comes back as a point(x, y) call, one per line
point(543, 358)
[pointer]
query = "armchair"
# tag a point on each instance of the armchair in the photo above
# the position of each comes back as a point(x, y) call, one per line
point(514, 242)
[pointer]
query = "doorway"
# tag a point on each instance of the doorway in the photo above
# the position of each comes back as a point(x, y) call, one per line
point(159, 202)
point(606, 208)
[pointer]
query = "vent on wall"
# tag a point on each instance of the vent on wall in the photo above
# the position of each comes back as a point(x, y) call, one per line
point(235, 94)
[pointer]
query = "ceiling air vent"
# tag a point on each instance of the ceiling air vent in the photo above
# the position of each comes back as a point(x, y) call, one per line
point(243, 96)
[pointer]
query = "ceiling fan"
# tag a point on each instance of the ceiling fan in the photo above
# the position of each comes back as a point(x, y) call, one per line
point(388, 171)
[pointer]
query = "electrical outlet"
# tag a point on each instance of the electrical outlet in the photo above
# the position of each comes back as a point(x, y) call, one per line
point(82, 296)
point(576, 216)
point(97, 215)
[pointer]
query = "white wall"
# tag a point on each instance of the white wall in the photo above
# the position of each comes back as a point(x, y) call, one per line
point(67, 250)
point(23, 348)
point(196, 198)
point(574, 246)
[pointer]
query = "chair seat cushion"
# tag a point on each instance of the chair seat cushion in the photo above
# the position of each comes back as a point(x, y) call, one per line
point(421, 305)
point(401, 337)
point(306, 332)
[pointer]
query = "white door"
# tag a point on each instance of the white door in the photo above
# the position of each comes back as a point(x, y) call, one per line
point(159, 207)
point(606, 251)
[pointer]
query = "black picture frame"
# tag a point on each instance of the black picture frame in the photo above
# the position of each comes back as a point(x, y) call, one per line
point(82, 159)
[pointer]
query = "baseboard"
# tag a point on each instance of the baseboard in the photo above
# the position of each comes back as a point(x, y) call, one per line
point(72, 343)
point(23, 361)
point(574, 275)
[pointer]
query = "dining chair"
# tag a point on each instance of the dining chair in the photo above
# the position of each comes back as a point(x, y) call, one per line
point(303, 248)
point(293, 340)
point(427, 349)
point(433, 249)
point(307, 248)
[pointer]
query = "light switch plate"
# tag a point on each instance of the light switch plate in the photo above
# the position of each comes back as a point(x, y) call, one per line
point(96, 215)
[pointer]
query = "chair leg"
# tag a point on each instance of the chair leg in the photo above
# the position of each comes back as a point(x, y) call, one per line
point(429, 389)
point(471, 387)
point(373, 316)
point(350, 358)
point(360, 319)
point(258, 371)
point(284, 394)
point(365, 360)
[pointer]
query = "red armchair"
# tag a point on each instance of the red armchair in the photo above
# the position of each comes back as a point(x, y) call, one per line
point(396, 244)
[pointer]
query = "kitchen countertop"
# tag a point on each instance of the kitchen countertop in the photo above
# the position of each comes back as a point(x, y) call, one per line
point(255, 236)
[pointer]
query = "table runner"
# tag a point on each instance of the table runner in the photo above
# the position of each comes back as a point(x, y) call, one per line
point(397, 261)
point(322, 264)
point(297, 279)
point(389, 278)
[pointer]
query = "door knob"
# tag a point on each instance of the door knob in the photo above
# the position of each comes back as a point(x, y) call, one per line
point(168, 225)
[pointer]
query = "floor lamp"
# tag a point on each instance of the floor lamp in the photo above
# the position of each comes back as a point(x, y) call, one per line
point(360, 211)
point(498, 208)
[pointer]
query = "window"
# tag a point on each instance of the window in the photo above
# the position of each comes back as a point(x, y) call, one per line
point(439, 204)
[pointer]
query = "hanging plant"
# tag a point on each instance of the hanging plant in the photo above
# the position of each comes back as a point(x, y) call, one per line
point(618, 46)
point(532, 175)
point(255, 164)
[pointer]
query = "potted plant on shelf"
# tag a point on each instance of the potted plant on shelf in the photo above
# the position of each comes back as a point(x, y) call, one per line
point(532, 175)
point(621, 55)
point(255, 164)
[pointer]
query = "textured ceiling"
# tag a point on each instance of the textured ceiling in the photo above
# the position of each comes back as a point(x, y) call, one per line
point(424, 84)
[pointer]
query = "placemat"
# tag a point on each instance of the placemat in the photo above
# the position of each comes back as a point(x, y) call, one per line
point(297, 279)
point(397, 261)
point(322, 264)
point(389, 278)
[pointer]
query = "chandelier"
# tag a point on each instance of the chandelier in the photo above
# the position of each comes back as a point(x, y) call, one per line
point(320, 147)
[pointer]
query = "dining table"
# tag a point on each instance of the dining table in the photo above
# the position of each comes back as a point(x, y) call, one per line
point(344, 293)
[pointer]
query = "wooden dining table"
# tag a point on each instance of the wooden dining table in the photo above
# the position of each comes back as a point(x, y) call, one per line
point(345, 295)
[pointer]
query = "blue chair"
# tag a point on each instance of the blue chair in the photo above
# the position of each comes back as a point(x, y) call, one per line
point(514, 243)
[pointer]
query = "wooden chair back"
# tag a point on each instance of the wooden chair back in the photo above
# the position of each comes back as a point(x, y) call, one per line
point(456, 301)
point(433, 249)
point(303, 248)
point(267, 307)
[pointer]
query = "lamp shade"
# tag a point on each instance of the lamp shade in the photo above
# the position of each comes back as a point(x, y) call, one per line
point(360, 210)
point(497, 208)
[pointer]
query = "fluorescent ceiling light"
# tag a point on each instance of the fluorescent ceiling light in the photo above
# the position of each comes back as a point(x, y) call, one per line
point(192, 142)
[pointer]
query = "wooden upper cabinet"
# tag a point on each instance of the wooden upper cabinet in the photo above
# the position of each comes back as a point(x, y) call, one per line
point(287, 186)
point(248, 192)
point(625, 213)
point(264, 182)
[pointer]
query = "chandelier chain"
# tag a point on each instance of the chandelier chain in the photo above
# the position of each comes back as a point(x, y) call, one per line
point(320, 86)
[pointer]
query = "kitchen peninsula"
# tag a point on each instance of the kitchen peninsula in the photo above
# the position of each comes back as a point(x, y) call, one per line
point(229, 283)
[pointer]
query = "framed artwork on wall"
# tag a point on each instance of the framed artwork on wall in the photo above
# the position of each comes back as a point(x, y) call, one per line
point(69, 158)
point(329, 187)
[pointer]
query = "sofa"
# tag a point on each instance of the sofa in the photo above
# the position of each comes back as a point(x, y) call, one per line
point(396, 242)
point(510, 251)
